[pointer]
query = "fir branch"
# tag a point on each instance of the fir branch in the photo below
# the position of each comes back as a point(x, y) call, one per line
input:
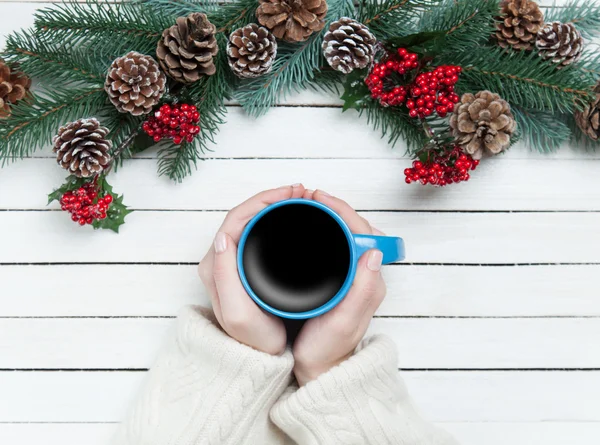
point(293, 70)
point(33, 125)
point(392, 18)
point(541, 131)
point(48, 62)
point(522, 79)
point(585, 15)
point(181, 8)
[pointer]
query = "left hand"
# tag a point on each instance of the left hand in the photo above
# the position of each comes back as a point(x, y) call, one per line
point(235, 311)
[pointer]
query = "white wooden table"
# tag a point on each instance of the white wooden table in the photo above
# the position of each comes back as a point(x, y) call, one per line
point(496, 311)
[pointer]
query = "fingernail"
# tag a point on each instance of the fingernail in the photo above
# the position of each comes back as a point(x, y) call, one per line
point(220, 242)
point(323, 193)
point(295, 186)
point(374, 261)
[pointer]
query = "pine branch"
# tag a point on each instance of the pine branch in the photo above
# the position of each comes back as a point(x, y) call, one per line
point(392, 18)
point(522, 79)
point(395, 124)
point(209, 94)
point(541, 131)
point(293, 70)
point(181, 8)
point(124, 24)
point(48, 62)
point(585, 15)
point(466, 23)
point(33, 125)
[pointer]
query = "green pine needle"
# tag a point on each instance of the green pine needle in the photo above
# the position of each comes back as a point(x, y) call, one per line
point(541, 131)
point(585, 15)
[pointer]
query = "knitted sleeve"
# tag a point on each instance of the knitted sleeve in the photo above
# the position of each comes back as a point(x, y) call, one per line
point(363, 401)
point(206, 388)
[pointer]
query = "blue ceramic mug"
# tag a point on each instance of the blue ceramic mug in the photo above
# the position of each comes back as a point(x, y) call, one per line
point(297, 258)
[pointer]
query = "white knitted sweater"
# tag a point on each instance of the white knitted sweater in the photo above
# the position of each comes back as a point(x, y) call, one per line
point(207, 389)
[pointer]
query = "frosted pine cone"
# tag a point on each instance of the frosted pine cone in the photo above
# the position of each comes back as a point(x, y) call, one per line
point(482, 124)
point(251, 51)
point(560, 42)
point(348, 45)
point(82, 149)
point(135, 83)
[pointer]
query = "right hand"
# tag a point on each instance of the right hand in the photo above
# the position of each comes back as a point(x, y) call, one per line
point(327, 341)
point(236, 312)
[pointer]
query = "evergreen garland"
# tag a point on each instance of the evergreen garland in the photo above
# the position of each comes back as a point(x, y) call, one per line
point(72, 45)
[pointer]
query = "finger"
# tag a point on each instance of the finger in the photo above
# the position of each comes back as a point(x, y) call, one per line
point(367, 291)
point(206, 276)
point(308, 194)
point(356, 222)
point(376, 231)
point(238, 217)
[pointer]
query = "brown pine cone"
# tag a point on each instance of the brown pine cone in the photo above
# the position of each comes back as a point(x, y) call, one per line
point(482, 124)
point(81, 147)
point(135, 83)
point(292, 20)
point(560, 42)
point(251, 51)
point(520, 21)
point(348, 45)
point(588, 120)
point(186, 50)
point(14, 86)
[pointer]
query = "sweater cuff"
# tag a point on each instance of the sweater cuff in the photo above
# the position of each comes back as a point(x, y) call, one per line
point(205, 385)
point(342, 406)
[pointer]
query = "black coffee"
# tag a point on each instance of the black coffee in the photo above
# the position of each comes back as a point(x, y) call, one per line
point(296, 258)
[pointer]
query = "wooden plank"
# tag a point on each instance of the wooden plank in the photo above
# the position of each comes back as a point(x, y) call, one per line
point(132, 343)
point(375, 184)
point(474, 238)
point(467, 433)
point(442, 396)
point(160, 290)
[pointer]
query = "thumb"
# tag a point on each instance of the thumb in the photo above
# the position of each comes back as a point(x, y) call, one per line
point(225, 274)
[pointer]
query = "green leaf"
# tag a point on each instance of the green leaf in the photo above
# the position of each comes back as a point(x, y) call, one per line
point(355, 90)
point(115, 216)
point(71, 183)
point(417, 42)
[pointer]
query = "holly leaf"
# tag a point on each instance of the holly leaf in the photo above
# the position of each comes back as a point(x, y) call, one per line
point(71, 183)
point(356, 91)
point(117, 211)
point(427, 43)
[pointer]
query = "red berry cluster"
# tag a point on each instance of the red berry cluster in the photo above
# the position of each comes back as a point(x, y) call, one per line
point(430, 92)
point(402, 64)
point(84, 205)
point(442, 169)
point(175, 122)
point(434, 90)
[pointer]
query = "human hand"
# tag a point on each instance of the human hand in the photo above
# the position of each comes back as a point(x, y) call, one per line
point(235, 311)
point(326, 341)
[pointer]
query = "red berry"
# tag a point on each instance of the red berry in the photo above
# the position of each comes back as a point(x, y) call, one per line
point(108, 199)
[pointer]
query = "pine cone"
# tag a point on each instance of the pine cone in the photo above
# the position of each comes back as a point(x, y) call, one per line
point(482, 124)
point(588, 120)
point(251, 51)
point(135, 83)
point(81, 147)
point(14, 86)
point(186, 50)
point(292, 20)
point(348, 45)
point(520, 21)
point(560, 42)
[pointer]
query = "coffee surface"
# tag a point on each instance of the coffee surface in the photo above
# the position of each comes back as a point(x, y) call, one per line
point(296, 258)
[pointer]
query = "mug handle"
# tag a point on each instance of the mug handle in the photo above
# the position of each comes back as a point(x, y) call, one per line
point(391, 247)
